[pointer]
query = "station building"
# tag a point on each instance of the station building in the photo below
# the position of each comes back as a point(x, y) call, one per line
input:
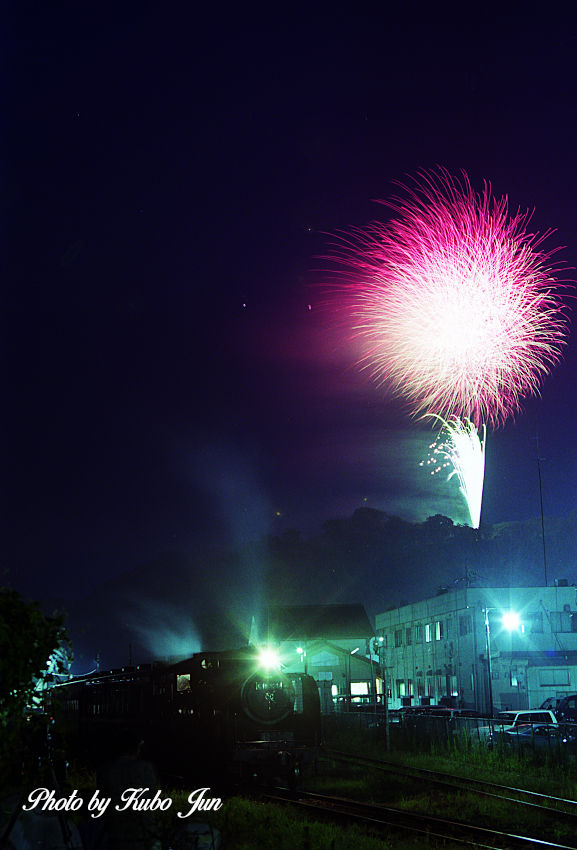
point(332, 643)
point(468, 647)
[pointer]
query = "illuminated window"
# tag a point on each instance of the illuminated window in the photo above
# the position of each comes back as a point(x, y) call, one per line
point(183, 683)
point(439, 630)
point(359, 689)
point(400, 683)
point(428, 633)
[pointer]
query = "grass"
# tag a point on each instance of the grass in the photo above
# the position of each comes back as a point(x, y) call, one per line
point(247, 824)
point(541, 774)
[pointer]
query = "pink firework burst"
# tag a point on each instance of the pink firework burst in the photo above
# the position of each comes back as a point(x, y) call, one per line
point(456, 303)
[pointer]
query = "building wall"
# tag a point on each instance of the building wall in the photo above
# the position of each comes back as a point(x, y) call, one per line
point(436, 648)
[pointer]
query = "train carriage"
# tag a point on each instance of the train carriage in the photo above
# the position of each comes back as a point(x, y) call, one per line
point(214, 715)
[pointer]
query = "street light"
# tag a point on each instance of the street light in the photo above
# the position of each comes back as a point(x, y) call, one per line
point(511, 622)
point(303, 656)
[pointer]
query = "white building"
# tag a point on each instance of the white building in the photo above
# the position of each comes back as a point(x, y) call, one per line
point(436, 650)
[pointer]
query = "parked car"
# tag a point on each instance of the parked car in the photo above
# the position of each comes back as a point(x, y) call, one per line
point(551, 703)
point(566, 708)
point(507, 720)
point(543, 737)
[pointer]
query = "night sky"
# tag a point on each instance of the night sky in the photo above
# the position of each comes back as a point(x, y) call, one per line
point(172, 374)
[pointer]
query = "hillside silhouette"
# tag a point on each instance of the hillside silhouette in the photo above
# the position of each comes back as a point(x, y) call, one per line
point(181, 602)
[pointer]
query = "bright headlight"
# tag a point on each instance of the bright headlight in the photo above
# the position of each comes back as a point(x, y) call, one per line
point(269, 659)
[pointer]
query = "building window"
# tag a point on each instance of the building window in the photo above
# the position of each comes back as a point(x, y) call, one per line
point(410, 689)
point(560, 621)
point(418, 634)
point(552, 676)
point(399, 637)
point(428, 633)
point(448, 629)
point(420, 685)
point(359, 689)
point(465, 625)
point(400, 688)
point(408, 636)
point(439, 630)
point(183, 683)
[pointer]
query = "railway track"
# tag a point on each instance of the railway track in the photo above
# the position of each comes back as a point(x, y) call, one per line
point(384, 818)
point(544, 804)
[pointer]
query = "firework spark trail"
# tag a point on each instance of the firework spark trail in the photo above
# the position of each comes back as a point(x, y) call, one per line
point(461, 447)
point(455, 301)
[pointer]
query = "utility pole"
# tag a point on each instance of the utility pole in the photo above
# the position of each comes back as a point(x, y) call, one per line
point(542, 515)
point(379, 649)
point(489, 667)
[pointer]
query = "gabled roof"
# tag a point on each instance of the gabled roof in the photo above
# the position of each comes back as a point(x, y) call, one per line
point(312, 622)
point(319, 645)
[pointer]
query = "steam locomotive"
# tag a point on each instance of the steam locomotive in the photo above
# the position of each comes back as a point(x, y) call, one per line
point(214, 715)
